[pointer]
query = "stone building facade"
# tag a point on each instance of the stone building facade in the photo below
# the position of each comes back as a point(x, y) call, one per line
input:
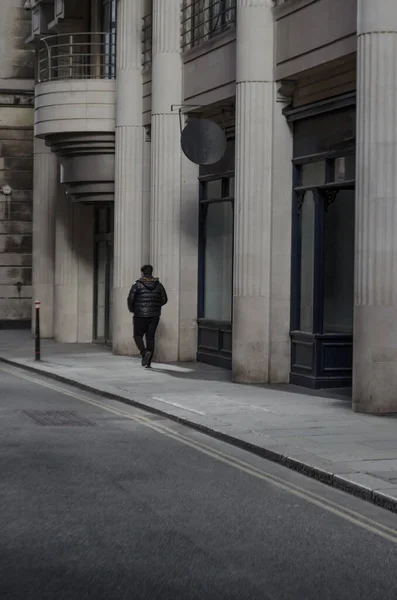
point(16, 165)
point(279, 259)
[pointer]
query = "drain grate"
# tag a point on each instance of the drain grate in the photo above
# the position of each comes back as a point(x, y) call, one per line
point(57, 418)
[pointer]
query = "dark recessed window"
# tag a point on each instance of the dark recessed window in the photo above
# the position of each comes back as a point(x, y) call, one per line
point(202, 19)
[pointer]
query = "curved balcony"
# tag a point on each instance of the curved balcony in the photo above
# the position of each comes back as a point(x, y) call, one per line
point(77, 56)
point(75, 101)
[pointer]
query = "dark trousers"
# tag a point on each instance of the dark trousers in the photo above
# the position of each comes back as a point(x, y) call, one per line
point(145, 327)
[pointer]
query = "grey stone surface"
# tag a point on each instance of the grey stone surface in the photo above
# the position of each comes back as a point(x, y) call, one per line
point(369, 482)
point(105, 508)
point(319, 431)
point(16, 156)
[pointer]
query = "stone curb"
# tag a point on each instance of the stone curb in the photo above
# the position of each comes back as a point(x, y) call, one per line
point(378, 498)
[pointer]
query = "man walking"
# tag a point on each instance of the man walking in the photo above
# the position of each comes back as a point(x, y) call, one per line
point(145, 300)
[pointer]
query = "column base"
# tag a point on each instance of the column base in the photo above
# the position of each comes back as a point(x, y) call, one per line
point(187, 342)
point(65, 310)
point(85, 321)
point(250, 359)
point(280, 361)
point(122, 339)
point(167, 338)
point(375, 360)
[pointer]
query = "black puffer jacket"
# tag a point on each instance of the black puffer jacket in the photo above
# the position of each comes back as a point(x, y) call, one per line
point(146, 297)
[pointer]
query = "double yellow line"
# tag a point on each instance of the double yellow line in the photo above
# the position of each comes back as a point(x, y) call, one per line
point(330, 506)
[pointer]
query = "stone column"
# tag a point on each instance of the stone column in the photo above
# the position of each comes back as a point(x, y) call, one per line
point(128, 234)
point(165, 208)
point(253, 192)
point(66, 271)
point(375, 312)
point(189, 261)
point(280, 297)
point(45, 178)
point(146, 181)
point(84, 246)
point(74, 271)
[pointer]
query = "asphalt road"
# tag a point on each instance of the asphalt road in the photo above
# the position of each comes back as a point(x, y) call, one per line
point(101, 501)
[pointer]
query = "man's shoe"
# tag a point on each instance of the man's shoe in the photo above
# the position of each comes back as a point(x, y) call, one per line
point(143, 355)
point(146, 359)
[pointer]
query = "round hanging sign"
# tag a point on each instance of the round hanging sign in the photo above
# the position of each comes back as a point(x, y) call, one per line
point(203, 142)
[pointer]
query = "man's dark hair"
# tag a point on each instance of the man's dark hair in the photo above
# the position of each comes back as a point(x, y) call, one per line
point(147, 270)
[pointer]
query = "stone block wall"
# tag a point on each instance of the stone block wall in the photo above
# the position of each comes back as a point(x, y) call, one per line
point(16, 164)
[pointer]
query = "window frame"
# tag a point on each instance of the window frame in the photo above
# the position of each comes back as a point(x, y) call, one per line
point(198, 20)
point(109, 28)
point(147, 41)
point(323, 194)
point(204, 202)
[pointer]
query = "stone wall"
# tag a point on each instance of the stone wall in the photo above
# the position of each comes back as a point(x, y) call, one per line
point(16, 164)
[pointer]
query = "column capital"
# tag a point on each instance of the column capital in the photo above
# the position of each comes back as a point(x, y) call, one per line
point(129, 29)
point(166, 56)
point(379, 16)
point(166, 27)
point(254, 41)
point(129, 63)
point(40, 147)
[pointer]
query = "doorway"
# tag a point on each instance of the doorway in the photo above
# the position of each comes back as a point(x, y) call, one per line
point(103, 301)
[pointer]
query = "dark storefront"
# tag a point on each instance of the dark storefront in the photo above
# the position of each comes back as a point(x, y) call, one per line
point(216, 261)
point(322, 299)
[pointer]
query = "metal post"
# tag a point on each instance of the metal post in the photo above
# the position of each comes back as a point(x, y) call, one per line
point(70, 57)
point(37, 335)
point(49, 64)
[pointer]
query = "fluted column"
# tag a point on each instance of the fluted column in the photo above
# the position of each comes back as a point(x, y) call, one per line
point(165, 208)
point(146, 182)
point(128, 208)
point(252, 234)
point(45, 177)
point(84, 246)
point(188, 286)
point(375, 312)
point(280, 301)
point(66, 271)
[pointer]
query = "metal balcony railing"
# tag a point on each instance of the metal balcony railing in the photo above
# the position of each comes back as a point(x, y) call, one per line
point(203, 19)
point(77, 56)
point(147, 41)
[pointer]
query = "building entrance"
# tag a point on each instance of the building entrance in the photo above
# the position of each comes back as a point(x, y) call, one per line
point(103, 299)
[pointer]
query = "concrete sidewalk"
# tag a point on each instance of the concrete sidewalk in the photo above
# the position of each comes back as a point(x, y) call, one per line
point(314, 433)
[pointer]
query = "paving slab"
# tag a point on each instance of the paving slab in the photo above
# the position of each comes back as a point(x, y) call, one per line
point(314, 433)
point(370, 482)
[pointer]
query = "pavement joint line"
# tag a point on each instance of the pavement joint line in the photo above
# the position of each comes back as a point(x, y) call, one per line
point(323, 503)
point(378, 498)
point(192, 410)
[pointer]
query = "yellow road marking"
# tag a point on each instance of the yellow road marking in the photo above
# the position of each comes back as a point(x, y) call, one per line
point(330, 506)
